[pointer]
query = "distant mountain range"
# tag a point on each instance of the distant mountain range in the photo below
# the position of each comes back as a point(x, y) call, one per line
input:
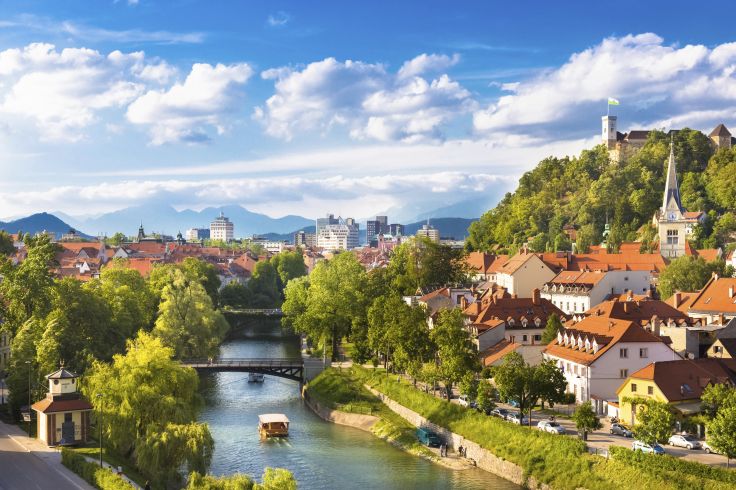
point(37, 223)
point(169, 221)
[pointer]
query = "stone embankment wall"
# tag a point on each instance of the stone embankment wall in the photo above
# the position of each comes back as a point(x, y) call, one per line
point(483, 458)
point(362, 422)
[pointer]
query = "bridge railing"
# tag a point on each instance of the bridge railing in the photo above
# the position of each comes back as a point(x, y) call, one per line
point(245, 362)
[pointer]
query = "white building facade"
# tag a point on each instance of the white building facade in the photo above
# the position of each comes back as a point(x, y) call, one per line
point(341, 236)
point(578, 291)
point(222, 229)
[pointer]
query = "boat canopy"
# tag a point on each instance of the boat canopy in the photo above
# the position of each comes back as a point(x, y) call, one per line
point(270, 418)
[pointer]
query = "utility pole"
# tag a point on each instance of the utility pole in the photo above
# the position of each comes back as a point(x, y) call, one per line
point(29, 398)
point(99, 422)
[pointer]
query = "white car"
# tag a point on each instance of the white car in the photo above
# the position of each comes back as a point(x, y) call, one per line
point(463, 400)
point(685, 440)
point(517, 419)
point(551, 426)
point(710, 449)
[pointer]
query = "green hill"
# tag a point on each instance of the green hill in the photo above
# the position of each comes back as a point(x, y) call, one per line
point(587, 191)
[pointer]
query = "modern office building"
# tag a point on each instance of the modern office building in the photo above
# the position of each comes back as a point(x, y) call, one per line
point(322, 222)
point(341, 236)
point(196, 234)
point(430, 232)
point(304, 239)
point(222, 229)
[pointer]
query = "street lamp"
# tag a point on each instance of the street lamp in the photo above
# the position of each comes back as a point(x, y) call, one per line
point(99, 422)
point(29, 398)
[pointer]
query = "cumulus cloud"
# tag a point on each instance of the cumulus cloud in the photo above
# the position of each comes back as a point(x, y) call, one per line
point(62, 92)
point(367, 99)
point(184, 112)
point(656, 82)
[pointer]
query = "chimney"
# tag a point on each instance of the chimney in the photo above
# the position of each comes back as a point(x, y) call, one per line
point(513, 296)
point(721, 319)
point(655, 326)
point(730, 292)
point(677, 299)
point(626, 307)
point(536, 299)
point(629, 295)
point(463, 302)
point(649, 293)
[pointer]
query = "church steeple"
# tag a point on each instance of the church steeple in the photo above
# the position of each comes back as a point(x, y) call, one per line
point(671, 200)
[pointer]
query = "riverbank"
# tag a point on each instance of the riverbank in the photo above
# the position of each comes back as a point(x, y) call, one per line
point(339, 397)
point(559, 462)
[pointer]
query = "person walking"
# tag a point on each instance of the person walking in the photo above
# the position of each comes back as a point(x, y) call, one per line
point(460, 450)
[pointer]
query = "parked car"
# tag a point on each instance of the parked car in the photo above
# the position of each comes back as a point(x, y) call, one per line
point(428, 438)
point(709, 449)
point(551, 426)
point(648, 448)
point(463, 400)
point(499, 412)
point(517, 418)
point(513, 403)
point(684, 440)
point(621, 430)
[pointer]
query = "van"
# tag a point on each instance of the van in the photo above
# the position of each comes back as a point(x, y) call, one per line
point(428, 438)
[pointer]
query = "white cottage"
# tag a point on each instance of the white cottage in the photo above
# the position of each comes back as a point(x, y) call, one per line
point(63, 416)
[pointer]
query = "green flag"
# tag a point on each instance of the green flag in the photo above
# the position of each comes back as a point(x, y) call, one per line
point(612, 101)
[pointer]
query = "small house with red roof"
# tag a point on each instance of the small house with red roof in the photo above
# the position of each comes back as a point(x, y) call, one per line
point(63, 417)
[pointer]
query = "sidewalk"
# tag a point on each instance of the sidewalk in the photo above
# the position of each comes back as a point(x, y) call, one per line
point(48, 455)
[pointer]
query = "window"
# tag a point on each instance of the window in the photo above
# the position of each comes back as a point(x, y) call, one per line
point(650, 390)
point(633, 387)
point(523, 338)
point(567, 306)
point(643, 352)
point(672, 238)
point(624, 353)
point(624, 373)
point(537, 338)
point(716, 349)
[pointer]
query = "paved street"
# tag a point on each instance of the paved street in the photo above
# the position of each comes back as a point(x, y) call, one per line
point(37, 469)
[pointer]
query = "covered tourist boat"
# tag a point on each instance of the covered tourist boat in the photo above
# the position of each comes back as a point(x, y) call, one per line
point(273, 425)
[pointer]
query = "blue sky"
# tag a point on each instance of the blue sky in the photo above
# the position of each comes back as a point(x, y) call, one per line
point(346, 107)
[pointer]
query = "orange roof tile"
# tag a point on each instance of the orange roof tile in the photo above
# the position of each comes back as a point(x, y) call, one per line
point(717, 296)
point(589, 278)
point(640, 311)
point(685, 379)
point(498, 351)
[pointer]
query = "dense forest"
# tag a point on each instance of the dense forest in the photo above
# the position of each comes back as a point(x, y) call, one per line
point(588, 191)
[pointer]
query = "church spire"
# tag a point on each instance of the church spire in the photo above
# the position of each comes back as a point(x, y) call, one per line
point(671, 190)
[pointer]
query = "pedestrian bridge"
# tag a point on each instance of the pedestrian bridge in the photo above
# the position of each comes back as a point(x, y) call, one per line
point(295, 368)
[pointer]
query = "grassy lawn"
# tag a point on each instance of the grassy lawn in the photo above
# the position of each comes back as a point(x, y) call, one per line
point(561, 462)
point(341, 390)
point(93, 450)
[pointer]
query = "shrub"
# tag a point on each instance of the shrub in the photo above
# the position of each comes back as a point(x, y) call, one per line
point(101, 478)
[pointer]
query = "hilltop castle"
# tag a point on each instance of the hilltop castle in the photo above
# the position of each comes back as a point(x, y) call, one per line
point(622, 145)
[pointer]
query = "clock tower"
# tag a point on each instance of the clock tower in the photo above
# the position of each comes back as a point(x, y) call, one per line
point(672, 223)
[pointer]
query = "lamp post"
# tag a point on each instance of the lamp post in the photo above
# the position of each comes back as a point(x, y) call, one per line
point(99, 422)
point(29, 398)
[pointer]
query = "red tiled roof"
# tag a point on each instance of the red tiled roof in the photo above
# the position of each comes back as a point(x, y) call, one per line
point(516, 309)
point(640, 311)
point(686, 379)
point(49, 405)
point(607, 332)
point(498, 351)
point(589, 278)
point(717, 296)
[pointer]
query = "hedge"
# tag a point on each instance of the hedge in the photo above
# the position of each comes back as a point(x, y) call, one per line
point(672, 466)
point(102, 478)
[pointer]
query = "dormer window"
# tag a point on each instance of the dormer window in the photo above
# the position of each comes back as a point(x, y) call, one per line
point(524, 322)
point(560, 340)
point(538, 322)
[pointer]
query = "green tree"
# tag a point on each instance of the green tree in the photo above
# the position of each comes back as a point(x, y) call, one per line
point(722, 432)
point(456, 355)
point(6, 243)
point(24, 349)
point(149, 404)
point(398, 331)
point(549, 382)
point(553, 326)
point(117, 239)
point(654, 421)
point(486, 398)
point(717, 396)
point(289, 265)
point(187, 322)
point(686, 273)
point(205, 273)
point(235, 295)
point(586, 419)
point(277, 479)
point(264, 286)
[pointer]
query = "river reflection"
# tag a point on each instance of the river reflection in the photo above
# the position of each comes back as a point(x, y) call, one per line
point(321, 455)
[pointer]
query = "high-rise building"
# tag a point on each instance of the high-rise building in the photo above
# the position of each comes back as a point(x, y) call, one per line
point(195, 234)
point(396, 229)
point(430, 232)
point(372, 230)
point(341, 236)
point(222, 229)
point(322, 222)
point(304, 239)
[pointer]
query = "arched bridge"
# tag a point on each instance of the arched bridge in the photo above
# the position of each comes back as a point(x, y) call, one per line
point(295, 368)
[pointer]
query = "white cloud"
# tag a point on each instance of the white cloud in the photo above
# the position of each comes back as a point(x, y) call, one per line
point(365, 98)
point(656, 81)
point(185, 112)
point(62, 92)
point(278, 19)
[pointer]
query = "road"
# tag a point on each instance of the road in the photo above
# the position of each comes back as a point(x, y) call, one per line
point(602, 439)
point(34, 470)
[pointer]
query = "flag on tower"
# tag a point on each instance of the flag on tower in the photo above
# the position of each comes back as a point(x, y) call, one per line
point(612, 101)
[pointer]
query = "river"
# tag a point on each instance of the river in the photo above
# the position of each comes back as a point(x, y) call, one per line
point(320, 454)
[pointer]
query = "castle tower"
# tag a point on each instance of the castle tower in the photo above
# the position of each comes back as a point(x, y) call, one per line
point(672, 224)
point(141, 233)
point(609, 131)
point(720, 137)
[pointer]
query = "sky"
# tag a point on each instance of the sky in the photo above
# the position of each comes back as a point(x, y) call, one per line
point(352, 108)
